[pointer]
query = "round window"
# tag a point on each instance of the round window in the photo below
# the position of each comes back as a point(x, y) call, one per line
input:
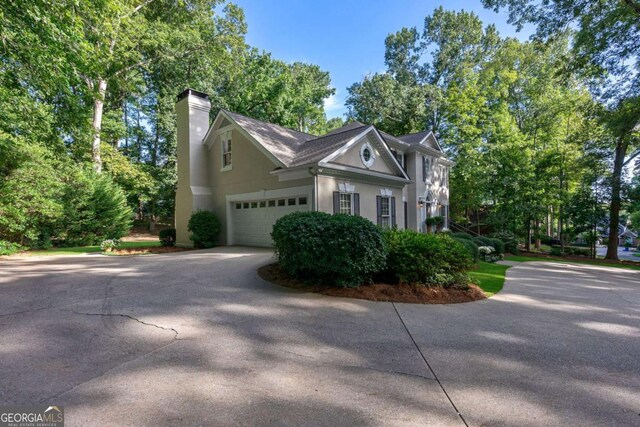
point(367, 155)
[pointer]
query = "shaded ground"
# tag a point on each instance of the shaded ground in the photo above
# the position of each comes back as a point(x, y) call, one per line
point(197, 338)
point(415, 294)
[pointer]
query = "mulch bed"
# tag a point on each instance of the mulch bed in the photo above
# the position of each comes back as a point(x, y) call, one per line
point(578, 258)
point(151, 250)
point(417, 294)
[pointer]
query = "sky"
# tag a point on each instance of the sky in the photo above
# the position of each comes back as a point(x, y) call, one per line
point(344, 37)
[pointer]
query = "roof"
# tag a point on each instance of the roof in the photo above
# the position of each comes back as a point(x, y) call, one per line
point(282, 142)
point(294, 148)
point(317, 149)
point(417, 138)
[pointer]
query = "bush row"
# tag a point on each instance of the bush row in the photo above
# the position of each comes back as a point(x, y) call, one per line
point(345, 250)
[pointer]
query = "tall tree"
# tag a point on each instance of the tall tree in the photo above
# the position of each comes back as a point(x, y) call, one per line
point(606, 51)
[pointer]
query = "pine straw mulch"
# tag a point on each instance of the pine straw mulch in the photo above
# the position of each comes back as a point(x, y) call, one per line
point(416, 294)
point(148, 250)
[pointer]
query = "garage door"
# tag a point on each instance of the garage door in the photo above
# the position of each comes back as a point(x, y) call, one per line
point(253, 219)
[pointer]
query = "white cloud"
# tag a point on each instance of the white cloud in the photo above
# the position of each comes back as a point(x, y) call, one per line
point(332, 103)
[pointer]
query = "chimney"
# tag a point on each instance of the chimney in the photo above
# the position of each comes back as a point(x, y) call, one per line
point(193, 192)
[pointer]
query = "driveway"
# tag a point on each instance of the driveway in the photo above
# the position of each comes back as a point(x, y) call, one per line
point(622, 254)
point(197, 338)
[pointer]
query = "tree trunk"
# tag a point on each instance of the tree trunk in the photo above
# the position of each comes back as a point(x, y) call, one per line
point(538, 234)
point(614, 209)
point(98, 107)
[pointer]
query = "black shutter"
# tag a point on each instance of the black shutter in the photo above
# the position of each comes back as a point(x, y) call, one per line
point(393, 212)
point(336, 202)
point(406, 215)
point(379, 209)
point(424, 168)
point(356, 204)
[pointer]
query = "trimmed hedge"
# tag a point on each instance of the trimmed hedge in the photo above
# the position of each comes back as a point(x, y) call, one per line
point(204, 227)
point(167, 237)
point(430, 259)
point(336, 250)
point(470, 246)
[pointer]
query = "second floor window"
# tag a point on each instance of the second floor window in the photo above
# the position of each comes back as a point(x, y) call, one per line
point(226, 150)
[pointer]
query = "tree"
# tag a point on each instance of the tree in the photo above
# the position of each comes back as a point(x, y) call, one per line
point(606, 51)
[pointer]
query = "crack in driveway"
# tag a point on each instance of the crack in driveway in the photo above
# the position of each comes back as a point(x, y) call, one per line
point(126, 316)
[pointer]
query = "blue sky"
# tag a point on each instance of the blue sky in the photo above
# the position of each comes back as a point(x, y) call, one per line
point(344, 37)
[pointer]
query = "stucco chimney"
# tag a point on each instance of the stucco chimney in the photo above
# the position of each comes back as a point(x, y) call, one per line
point(193, 192)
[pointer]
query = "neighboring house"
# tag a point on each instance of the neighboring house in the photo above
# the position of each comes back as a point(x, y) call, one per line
point(625, 234)
point(628, 236)
point(250, 173)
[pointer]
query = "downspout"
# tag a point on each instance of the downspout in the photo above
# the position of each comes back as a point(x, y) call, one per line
point(314, 172)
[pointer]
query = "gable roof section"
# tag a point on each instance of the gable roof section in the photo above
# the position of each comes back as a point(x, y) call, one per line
point(363, 131)
point(290, 148)
point(317, 149)
point(282, 142)
point(425, 137)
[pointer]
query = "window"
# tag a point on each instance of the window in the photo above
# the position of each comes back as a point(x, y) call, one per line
point(281, 202)
point(385, 211)
point(366, 155)
point(263, 204)
point(272, 203)
point(238, 205)
point(245, 205)
point(302, 201)
point(291, 202)
point(399, 157)
point(427, 168)
point(226, 151)
point(346, 207)
point(254, 205)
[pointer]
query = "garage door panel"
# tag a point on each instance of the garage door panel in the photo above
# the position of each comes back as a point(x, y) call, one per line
point(253, 220)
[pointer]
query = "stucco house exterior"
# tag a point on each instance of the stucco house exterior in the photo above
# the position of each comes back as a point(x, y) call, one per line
point(250, 173)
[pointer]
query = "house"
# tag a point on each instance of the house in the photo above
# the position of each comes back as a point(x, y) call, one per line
point(628, 236)
point(250, 173)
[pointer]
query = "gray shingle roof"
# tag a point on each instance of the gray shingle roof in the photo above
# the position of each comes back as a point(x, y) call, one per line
point(317, 149)
point(295, 148)
point(415, 138)
point(282, 142)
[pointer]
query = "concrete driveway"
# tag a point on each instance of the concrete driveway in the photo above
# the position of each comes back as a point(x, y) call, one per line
point(196, 338)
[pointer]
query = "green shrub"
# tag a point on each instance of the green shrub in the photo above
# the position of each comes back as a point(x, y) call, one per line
point(167, 237)
point(498, 245)
point(483, 241)
point(470, 246)
point(510, 242)
point(9, 248)
point(109, 245)
point(555, 251)
point(95, 210)
point(462, 235)
point(204, 227)
point(336, 250)
point(430, 259)
point(580, 251)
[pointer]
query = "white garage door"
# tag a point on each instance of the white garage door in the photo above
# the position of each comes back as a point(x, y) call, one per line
point(253, 219)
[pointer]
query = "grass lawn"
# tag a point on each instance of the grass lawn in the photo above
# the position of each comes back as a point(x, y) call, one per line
point(520, 258)
point(490, 277)
point(88, 249)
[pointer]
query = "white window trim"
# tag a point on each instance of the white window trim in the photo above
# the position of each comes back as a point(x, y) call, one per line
point(388, 215)
point(350, 194)
point(223, 139)
point(372, 158)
